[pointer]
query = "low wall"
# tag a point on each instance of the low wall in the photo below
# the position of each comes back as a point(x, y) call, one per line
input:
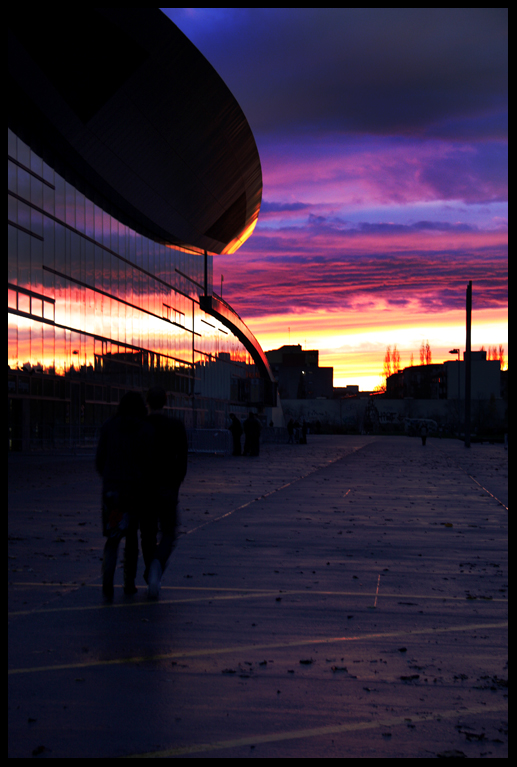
point(375, 413)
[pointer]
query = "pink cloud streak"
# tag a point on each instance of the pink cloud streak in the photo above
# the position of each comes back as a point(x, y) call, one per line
point(383, 171)
point(290, 271)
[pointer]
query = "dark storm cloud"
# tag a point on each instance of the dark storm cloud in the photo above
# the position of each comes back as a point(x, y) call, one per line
point(429, 71)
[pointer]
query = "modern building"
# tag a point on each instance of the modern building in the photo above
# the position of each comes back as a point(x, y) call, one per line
point(298, 373)
point(131, 166)
point(486, 380)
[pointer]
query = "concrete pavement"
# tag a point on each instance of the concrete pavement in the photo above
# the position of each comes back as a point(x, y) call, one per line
point(347, 598)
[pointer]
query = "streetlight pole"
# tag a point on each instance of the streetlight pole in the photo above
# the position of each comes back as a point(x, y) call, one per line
point(468, 364)
point(457, 351)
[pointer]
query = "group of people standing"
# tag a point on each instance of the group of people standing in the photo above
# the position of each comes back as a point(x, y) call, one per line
point(142, 458)
point(251, 429)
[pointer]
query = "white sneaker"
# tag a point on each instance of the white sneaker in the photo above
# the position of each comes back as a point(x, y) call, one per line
point(153, 579)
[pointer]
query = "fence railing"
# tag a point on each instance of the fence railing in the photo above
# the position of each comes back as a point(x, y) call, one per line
point(84, 439)
point(215, 441)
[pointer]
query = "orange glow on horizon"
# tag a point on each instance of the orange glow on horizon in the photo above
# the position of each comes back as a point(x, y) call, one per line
point(355, 344)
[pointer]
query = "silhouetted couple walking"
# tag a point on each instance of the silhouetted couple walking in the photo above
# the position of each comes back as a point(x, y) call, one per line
point(143, 461)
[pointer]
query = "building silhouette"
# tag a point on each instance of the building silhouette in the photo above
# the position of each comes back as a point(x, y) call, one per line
point(298, 373)
point(131, 166)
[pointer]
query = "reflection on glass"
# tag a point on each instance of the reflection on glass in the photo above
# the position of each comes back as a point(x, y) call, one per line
point(90, 297)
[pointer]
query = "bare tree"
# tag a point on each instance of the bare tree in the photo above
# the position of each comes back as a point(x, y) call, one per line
point(426, 356)
point(395, 359)
point(387, 369)
point(495, 353)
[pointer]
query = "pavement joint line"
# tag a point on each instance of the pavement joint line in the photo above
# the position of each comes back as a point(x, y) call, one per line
point(488, 491)
point(271, 492)
point(458, 466)
point(313, 732)
point(207, 652)
point(377, 591)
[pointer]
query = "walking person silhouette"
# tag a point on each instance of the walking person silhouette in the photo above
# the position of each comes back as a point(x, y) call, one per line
point(168, 469)
point(122, 459)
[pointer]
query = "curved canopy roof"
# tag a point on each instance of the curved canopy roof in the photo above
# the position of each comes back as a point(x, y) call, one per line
point(123, 105)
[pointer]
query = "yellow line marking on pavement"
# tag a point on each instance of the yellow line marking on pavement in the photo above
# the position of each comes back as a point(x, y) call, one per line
point(144, 603)
point(254, 594)
point(313, 732)
point(266, 591)
point(242, 594)
point(204, 652)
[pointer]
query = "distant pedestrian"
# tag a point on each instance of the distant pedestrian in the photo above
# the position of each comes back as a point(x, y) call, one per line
point(305, 428)
point(236, 431)
point(290, 432)
point(423, 433)
point(251, 435)
point(122, 459)
point(168, 468)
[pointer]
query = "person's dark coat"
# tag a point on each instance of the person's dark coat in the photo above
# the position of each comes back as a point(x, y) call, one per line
point(169, 455)
point(236, 431)
point(252, 431)
point(123, 456)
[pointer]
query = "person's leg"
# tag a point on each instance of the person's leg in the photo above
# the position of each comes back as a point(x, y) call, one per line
point(130, 559)
point(109, 563)
point(168, 522)
point(148, 532)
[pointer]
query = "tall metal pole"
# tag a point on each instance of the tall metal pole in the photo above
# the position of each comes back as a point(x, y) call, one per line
point(206, 273)
point(468, 366)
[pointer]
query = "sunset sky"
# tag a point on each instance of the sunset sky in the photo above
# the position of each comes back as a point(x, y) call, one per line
point(383, 140)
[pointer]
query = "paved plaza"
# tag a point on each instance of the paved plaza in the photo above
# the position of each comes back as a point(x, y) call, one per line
point(344, 598)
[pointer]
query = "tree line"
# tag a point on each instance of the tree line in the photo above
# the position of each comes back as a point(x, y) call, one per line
point(392, 358)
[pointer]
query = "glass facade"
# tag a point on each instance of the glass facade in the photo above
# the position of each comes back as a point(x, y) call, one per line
point(96, 309)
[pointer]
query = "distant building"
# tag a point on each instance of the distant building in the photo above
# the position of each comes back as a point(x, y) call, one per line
point(447, 380)
point(351, 390)
point(486, 377)
point(298, 373)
